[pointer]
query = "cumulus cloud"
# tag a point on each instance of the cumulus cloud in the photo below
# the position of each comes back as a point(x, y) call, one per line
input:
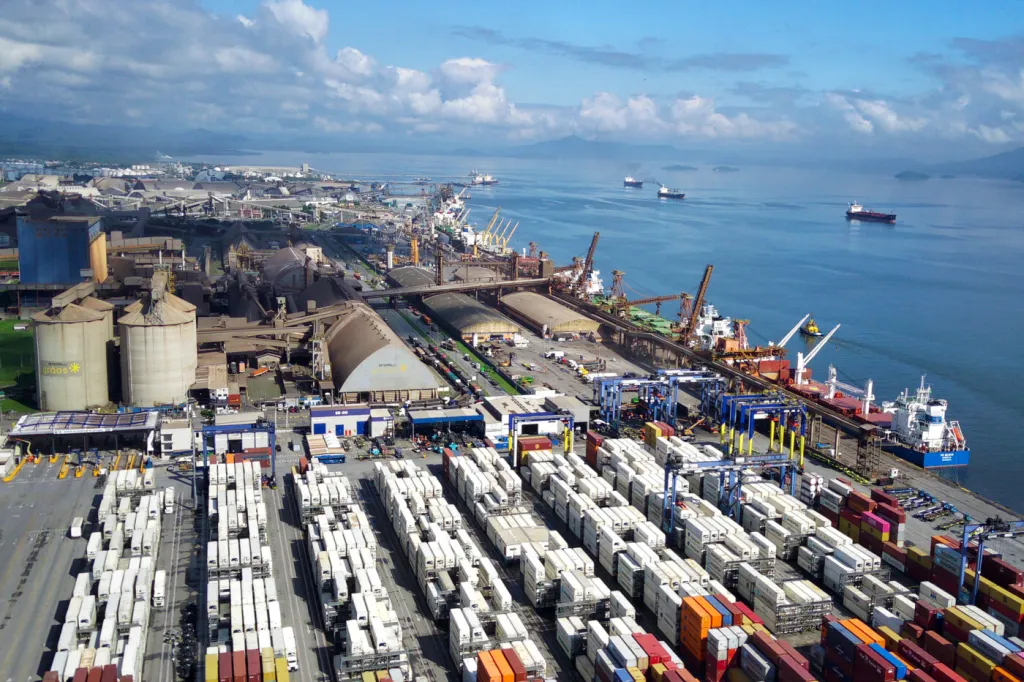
point(299, 17)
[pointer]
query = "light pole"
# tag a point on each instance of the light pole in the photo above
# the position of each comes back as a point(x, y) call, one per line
point(192, 440)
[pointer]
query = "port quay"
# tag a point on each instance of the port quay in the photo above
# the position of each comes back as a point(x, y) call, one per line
point(264, 424)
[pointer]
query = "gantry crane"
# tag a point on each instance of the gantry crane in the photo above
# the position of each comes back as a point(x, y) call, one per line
point(698, 303)
point(622, 306)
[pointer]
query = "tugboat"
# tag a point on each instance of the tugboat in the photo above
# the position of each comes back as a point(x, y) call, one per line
point(811, 328)
point(858, 212)
point(666, 193)
point(630, 181)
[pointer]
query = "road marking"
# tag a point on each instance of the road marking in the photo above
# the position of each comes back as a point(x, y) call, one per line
point(171, 602)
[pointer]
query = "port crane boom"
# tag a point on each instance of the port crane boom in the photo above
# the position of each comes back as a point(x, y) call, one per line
point(698, 302)
point(802, 360)
point(624, 305)
point(580, 285)
point(792, 332)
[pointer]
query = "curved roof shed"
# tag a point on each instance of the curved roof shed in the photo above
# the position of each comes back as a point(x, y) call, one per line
point(367, 357)
point(469, 316)
point(542, 312)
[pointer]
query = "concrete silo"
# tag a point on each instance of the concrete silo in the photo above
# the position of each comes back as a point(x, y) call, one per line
point(158, 348)
point(71, 358)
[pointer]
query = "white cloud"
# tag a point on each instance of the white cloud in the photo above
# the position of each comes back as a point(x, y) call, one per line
point(245, 21)
point(881, 113)
point(355, 61)
point(300, 18)
point(237, 58)
point(992, 135)
point(605, 112)
point(1008, 87)
point(469, 70)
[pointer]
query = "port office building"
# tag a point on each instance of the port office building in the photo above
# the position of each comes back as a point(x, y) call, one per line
point(350, 420)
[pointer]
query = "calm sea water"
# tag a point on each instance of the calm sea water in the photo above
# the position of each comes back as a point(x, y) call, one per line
point(939, 294)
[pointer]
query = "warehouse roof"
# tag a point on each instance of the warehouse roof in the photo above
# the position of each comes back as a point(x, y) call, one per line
point(452, 416)
point(544, 312)
point(411, 276)
point(69, 313)
point(469, 316)
point(366, 355)
point(475, 273)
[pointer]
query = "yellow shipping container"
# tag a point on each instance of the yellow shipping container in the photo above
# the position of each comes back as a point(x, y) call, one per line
point(918, 555)
point(891, 638)
point(637, 675)
point(749, 628)
point(281, 668)
point(961, 620)
point(211, 668)
point(657, 672)
point(369, 677)
point(736, 675)
point(964, 652)
point(267, 663)
point(1006, 598)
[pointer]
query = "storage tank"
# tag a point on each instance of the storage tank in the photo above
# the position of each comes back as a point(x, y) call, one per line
point(158, 348)
point(103, 308)
point(71, 358)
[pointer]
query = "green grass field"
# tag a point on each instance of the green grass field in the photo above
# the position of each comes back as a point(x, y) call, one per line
point(17, 365)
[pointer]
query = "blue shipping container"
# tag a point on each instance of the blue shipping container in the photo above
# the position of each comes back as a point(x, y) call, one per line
point(622, 675)
point(726, 614)
point(901, 667)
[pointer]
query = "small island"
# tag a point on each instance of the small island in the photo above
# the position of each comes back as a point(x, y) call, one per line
point(678, 167)
point(724, 169)
point(912, 175)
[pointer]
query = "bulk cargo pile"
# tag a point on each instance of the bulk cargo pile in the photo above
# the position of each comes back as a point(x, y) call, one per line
point(357, 609)
point(106, 624)
point(248, 640)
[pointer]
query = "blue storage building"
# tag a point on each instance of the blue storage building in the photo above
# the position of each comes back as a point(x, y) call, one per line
point(340, 420)
point(56, 250)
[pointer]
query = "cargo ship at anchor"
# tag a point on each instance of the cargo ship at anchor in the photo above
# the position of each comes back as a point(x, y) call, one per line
point(858, 212)
point(666, 193)
point(630, 181)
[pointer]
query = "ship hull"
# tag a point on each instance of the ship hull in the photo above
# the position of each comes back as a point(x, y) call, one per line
point(814, 334)
point(871, 217)
point(930, 460)
point(637, 185)
point(672, 196)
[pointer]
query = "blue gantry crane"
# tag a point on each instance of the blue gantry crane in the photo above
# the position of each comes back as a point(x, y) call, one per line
point(992, 528)
point(659, 392)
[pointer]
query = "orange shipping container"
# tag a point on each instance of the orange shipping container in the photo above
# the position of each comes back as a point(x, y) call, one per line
point(486, 670)
point(999, 674)
point(863, 631)
point(504, 669)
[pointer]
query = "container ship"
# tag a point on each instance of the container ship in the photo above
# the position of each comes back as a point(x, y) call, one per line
point(630, 181)
point(666, 193)
point(913, 427)
point(858, 212)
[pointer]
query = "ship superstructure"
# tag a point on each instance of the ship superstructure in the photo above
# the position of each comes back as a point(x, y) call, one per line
point(920, 432)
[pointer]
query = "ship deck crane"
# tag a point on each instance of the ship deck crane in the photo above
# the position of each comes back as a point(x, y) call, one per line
point(864, 394)
point(802, 360)
point(792, 332)
point(579, 287)
point(698, 302)
point(505, 240)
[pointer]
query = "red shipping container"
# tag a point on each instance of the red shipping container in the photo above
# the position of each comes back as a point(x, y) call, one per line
point(829, 514)
point(870, 666)
point(51, 676)
point(768, 646)
point(532, 443)
point(939, 647)
point(749, 613)
point(125, 678)
point(953, 633)
point(912, 631)
point(893, 515)
point(649, 643)
point(516, 663)
point(796, 656)
point(926, 616)
point(915, 655)
point(851, 516)
point(1014, 664)
point(944, 579)
point(859, 502)
point(238, 666)
point(898, 553)
point(870, 543)
point(109, 673)
point(714, 670)
point(882, 497)
point(1001, 572)
point(791, 671)
point(81, 675)
point(224, 668)
point(253, 665)
point(96, 675)
point(832, 673)
point(918, 675)
point(834, 658)
point(917, 571)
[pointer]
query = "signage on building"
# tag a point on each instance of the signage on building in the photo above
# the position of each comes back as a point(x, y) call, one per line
point(320, 412)
point(60, 368)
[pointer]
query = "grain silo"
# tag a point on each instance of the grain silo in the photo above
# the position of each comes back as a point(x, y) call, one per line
point(158, 348)
point(71, 358)
point(103, 308)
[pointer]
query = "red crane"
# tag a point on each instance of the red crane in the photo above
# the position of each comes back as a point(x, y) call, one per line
point(698, 303)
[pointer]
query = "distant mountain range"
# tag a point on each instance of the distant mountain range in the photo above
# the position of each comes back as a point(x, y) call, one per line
point(578, 148)
point(1007, 165)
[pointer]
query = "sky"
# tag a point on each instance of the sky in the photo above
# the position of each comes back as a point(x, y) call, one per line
point(933, 79)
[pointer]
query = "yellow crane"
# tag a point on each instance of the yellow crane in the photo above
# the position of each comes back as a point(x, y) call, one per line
point(414, 251)
point(484, 235)
point(505, 240)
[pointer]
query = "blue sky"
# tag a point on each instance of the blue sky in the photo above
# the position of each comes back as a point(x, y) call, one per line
point(910, 77)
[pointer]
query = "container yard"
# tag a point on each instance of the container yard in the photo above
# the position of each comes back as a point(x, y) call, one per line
point(247, 636)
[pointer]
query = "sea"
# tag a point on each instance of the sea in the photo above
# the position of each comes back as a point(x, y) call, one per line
point(938, 295)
